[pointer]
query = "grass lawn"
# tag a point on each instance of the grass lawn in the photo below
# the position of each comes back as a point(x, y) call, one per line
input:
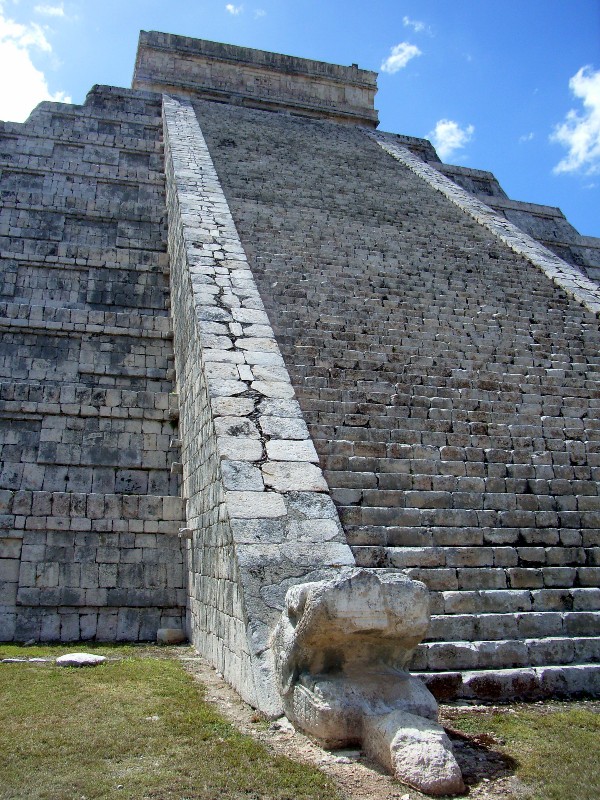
point(134, 728)
point(555, 746)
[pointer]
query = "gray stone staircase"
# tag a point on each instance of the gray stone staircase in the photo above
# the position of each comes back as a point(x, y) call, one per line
point(452, 392)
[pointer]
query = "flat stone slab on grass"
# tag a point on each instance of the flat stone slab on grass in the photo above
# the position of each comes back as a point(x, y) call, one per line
point(80, 660)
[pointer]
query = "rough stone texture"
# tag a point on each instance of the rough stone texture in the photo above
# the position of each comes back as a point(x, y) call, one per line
point(449, 379)
point(227, 73)
point(170, 636)
point(89, 508)
point(341, 647)
point(416, 750)
point(452, 396)
point(245, 551)
point(570, 279)
point(546, 224)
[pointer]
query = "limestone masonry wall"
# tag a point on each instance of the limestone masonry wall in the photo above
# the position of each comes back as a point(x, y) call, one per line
point(90, 509)
point(231, 74)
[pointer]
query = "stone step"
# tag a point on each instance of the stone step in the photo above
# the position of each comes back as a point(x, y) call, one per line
point(513, 626)
point(64, 318)
point(521, 683)
point(40, 191)
point(90, 512)
point(506, 653)
point(479, 557)
point(538, 521)
point(75, 400)
point(515, 600)
point(507, 497)
point(442, 536)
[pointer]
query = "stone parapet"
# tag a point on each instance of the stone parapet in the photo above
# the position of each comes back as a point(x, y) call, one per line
point(257, 502)
point(568, 278)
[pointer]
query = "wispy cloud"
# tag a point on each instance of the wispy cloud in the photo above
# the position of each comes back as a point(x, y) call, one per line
point(580, 132)
point(399, 57)
point(234, 10)
point(448, 137)
point(17, 44)
point(415, 24)
point(259, 12)
point(50, 11)
point(526, 137)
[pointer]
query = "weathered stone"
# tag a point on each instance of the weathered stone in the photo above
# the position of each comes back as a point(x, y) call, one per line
point(340, 651)
point(256, 505)
point(240, 448)
point(232, 406)
point(170, 636)
point(80, 660)
point(241, 476)
point(293, 477)
point(416, 750)
point(275, 389)
point(290, 450)
point(453, 426)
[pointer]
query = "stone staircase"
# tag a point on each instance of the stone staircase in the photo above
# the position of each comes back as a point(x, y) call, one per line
point(451, 389)
point(90, 505)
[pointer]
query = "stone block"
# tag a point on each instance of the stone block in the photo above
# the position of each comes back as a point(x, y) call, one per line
point(283, 476)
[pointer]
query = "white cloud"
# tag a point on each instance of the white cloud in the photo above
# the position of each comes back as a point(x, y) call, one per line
point(580, 132)
point(26, 85)
point(50, 11)
point(399, 57)
point(527, 137)
point(259, 12)
point(448, 137)
point(234, 10)
point(415, 24)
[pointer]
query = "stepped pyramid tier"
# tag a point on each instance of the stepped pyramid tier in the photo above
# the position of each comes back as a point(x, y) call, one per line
point(231, 307)
point(90, 507)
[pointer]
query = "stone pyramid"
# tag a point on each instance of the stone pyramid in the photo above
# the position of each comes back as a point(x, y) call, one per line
point(249, 341)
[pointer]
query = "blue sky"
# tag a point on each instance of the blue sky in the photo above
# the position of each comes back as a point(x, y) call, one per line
point(510, 86)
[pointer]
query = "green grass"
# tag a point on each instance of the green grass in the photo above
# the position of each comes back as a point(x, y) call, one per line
point(133, 729)
point(137, 728)
point(556, 747)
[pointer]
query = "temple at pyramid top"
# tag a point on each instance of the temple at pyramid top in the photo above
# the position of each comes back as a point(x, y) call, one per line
point(255, 78)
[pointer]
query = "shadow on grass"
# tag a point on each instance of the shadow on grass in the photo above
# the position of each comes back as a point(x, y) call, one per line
point(478, 757)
